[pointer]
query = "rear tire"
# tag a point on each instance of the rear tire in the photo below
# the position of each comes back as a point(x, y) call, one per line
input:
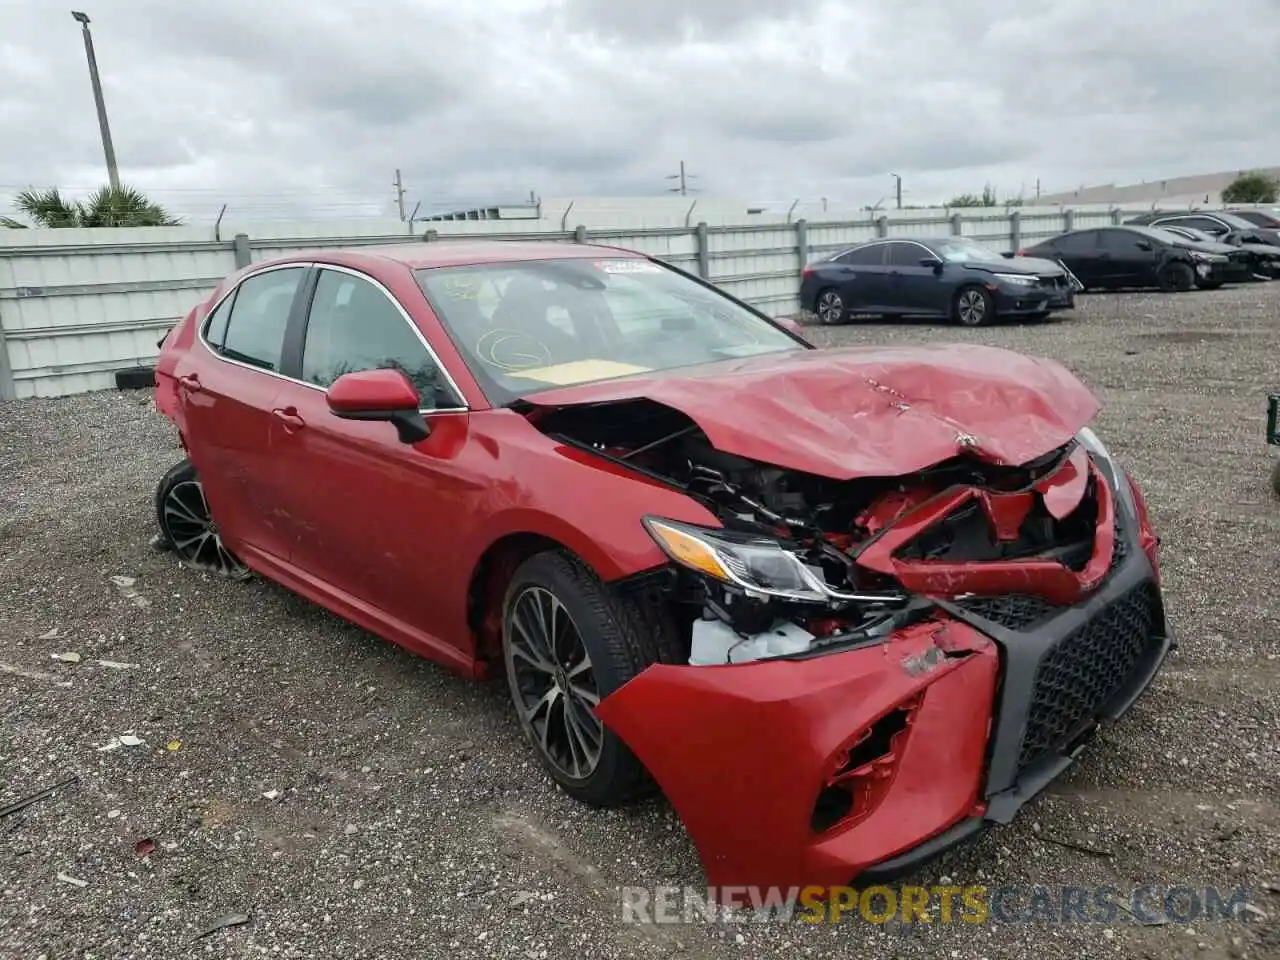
point(600, 639)
point(830, 308)
point(1176, 278)
point(973, 306)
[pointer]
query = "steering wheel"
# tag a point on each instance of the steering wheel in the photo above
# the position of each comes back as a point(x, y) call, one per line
point(512, 350)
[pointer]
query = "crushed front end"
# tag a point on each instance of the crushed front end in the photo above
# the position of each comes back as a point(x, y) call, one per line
point(879, 667)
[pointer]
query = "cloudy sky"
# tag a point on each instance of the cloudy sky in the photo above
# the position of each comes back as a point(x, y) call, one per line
point(276, 106)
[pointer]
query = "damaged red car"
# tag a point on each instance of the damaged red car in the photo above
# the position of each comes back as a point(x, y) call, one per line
point(843, 607)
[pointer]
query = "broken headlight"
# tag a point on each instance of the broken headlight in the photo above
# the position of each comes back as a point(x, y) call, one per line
point(1110, 469)
point(758, 566)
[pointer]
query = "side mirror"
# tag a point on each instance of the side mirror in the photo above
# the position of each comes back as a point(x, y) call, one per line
point(933, 263)
point(379, 395)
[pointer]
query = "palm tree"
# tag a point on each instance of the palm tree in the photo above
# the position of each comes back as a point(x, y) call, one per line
point(106, 207)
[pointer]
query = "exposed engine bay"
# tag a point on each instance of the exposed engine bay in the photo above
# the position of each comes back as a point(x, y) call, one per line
point(759, 602)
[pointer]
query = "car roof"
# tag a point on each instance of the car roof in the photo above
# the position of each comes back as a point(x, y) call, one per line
point(455, 253)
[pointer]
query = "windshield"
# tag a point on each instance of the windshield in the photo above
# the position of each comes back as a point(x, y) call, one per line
point(532, 325)
point(966, 251)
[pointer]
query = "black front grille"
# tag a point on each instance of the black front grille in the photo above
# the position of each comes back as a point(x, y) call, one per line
point(1013, 611)
point(1086, 669)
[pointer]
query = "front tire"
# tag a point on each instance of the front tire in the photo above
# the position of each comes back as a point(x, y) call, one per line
point(1176, 278)
point(830, 307)
point(1209, 284)
point(187, 527)
point(568, 641)
point(973, 306)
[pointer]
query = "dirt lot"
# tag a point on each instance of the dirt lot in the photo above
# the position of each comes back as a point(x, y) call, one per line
point(410, 820)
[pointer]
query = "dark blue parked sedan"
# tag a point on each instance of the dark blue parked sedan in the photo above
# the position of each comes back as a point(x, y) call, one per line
point(951, 278)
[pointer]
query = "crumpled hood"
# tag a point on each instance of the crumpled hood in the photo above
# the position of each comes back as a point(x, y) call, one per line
point(866, 412)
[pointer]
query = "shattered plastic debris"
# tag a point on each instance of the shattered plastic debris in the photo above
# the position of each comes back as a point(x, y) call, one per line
point(126, 589)
point(144, 847)
point(74, 881)
point(124, 740)
point(116, 665)
point(51, 635)
point(69, 657)
point(272, 795)
point(173, 745)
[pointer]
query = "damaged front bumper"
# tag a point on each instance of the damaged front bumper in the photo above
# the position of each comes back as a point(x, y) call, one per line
point(868, 762)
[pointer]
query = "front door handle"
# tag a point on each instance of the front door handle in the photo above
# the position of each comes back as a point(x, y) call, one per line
point(190, 382)
point(289, 417)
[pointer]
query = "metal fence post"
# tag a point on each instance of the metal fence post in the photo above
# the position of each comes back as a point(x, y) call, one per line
point(1015, 229)
point(1116, 217)
point(802, 242)
point(240, 247)
point(579, 234)
point(882, 226)
point(957, 224)
point(704, 250)
point(8, 389)
point(1068, 220)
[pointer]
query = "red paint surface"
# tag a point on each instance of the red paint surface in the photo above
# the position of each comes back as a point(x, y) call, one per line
point(867, 412)
point(369, 390)
point(743, 751)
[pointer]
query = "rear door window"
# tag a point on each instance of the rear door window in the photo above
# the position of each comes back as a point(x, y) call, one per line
point(255, 328)
point(864, 256)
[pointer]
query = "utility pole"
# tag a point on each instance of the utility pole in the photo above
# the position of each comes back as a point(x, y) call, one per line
point(899, 191)
point(684, 179)
point(113, 175)
point(399, 185)
point(1037, 188)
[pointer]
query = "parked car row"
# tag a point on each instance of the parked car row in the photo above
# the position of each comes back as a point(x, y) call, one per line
point(958, 279)
point(1171, 252)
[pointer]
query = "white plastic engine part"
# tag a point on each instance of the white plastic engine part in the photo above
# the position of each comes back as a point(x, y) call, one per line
point(714, 642)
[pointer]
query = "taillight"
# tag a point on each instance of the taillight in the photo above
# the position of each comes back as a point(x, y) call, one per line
point(806, 273)
point(1021, 253)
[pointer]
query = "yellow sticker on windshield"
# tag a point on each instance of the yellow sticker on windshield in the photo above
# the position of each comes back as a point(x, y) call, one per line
point(578, 371)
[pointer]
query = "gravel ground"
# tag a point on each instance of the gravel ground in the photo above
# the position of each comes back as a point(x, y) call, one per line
point(410, 820)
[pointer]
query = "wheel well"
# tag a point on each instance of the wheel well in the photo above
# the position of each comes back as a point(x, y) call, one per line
point(489, 583)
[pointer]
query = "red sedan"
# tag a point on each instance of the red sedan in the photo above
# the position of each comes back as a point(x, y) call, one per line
point(843, 607)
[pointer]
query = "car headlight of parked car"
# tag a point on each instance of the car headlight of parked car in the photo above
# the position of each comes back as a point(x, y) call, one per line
point(1017, 279)
point(1201, 257)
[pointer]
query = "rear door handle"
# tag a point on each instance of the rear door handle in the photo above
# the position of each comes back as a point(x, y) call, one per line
point(289, 417)
point(190, 382)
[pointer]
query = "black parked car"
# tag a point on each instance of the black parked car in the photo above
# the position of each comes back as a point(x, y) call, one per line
point(1115, 257)
point(1216, 223)
point(1261, 259)
point(1270, 219)
point(951, 278)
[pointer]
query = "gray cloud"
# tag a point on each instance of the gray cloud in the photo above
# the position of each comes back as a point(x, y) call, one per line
point(305, 107)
